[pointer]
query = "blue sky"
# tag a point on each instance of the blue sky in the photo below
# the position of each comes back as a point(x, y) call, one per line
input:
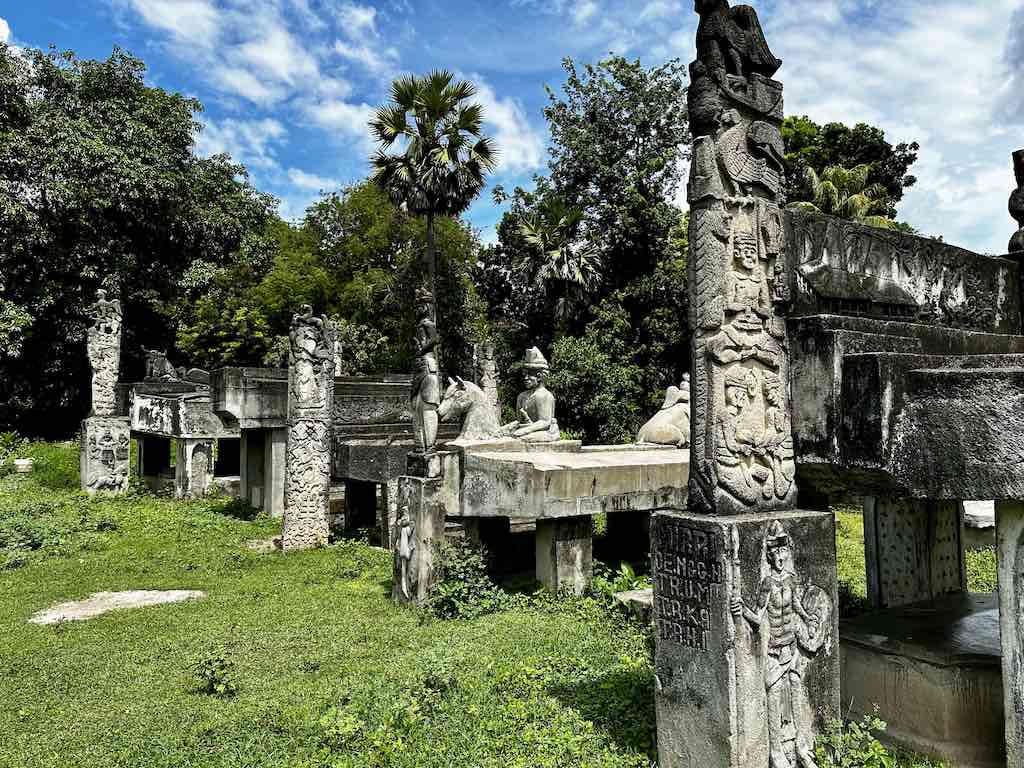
point(288, 84)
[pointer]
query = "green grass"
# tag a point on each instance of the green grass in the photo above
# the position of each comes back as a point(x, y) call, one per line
point(328, 671)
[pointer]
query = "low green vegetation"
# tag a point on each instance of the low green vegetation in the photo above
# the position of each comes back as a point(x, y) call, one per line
point(304, 661)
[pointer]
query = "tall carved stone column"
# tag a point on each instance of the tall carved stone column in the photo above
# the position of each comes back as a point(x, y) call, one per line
point(744, 583)
point(1017, 203)
point(310, 403)
point(106, 436)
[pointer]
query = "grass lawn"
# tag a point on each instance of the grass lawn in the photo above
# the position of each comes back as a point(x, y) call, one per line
point(328, 671)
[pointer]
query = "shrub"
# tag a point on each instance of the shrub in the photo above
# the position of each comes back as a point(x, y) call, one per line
point(853, 745)
point(607, 582)
point(464, 589)
point(215, 673)
point(12, 445)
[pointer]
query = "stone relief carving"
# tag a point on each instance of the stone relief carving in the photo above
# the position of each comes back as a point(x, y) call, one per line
point(535, 405)
point(844, 268)
point(106, 449)
point(308, 454)
point(670, 425)
point(159, 368)
point(486, 367)
point(405, 555)
point(795, 624)
point(739, 275)
point(1017, 203)
point(465, 400)
point(426, 384)
point(104, 348)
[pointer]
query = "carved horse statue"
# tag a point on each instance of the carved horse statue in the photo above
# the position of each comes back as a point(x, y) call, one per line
point(464, 399)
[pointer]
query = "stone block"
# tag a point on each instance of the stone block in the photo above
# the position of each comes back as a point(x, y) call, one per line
point(1010, 566)
point(418, 533)
point(747, 658)
point(565, 553)
point(105, 454)
point(193, 470)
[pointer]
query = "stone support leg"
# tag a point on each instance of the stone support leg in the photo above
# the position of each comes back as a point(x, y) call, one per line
point(913, 550)
point(747, 658)
point(252, 460)
point(389, 513)
point(193, 471)
point(1010, 565)
point(275, 458)
point(105, 454)
point(418, 534)
point(565, 547)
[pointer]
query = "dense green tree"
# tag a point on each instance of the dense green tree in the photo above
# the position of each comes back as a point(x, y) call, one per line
point(809, 145)
point(99, 187)
point(845, 192)
point(445, 157)
point(619, 135)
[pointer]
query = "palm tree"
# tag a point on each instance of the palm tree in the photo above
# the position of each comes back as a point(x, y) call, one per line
point(444, 155)
point(845, 192)
point(566, 266)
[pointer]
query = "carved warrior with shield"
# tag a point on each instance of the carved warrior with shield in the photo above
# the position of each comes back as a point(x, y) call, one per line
point(741, 462)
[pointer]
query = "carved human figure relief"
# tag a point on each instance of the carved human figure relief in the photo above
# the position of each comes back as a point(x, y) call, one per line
point(405, 555)
point(794, 621)
point(104, 348)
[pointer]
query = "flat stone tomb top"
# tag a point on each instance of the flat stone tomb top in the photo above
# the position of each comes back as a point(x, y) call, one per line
point(546, 462)
point(950, 631)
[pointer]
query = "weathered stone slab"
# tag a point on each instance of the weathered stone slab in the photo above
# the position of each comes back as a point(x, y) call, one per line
point(104, 602)
point(934, 671)
point(257, 398)
point(186, 415)
point(549, 485)
point(193, 468)
point(747, 662)
point(105, 454)
point(565, 553)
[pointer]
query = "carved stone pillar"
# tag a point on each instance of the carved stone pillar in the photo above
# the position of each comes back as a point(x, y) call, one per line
point(1017, 203)
point(310, 402)
point(417, 535)
point(745, 585)
point(913, 550)
point(487, 376)
point(1010, 562)
point(105, 451)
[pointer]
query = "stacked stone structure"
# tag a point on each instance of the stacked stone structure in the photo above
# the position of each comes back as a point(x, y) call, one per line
point(106, 435)
point(744, 583)
point(308, 451)
point(1017, 203)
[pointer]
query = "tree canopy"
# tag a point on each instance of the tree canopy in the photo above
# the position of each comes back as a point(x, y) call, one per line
point(99, 187)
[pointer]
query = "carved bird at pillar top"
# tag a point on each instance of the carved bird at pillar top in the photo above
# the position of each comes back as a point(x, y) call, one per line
point(739, 146)
point(732, 39)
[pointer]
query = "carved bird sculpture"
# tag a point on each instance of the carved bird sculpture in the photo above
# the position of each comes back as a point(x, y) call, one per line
point(732, 39)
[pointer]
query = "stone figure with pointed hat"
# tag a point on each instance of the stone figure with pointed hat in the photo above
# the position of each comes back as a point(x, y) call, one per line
point(535, 405)
point(426, 385)
point(670, 425)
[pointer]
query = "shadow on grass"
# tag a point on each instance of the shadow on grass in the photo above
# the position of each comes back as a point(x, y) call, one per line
point(620, 703)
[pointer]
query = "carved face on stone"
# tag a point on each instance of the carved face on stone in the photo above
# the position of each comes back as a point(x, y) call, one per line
point(737, 396)
point(779, 557)
point(746, 252)
point(773, 393)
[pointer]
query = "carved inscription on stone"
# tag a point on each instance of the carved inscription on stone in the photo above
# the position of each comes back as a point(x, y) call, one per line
point(310, 406)
point(104, 346)
point(688, 572)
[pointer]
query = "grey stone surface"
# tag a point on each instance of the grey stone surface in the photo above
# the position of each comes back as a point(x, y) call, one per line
point(670, 425)
point(1010, 569)
point(742, 447)
point(418, 532)
point(934, 671)
point(178, 414)
point(535, 406)
point(467, 403)
point(747, 657)
point(193, 468)
point(565, 553)
point(913, 550)
point(485, 366)
point(639, 602)
point(105, 453)
point(104, 602)
point(1017, 203)
point(308, 455)
point(104, 347)
point(256, 398)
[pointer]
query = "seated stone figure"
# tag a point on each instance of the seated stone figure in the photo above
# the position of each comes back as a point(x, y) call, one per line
point(536, 405)
point(670, 425)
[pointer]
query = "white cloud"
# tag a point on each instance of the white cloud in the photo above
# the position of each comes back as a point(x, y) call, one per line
point(521, 147)
point(358, 19)
point(376, 58)
point(311, 181)
point(187, 21)
point(251, 142)
point(351, 120)
point(584, 11)
point(5, 30)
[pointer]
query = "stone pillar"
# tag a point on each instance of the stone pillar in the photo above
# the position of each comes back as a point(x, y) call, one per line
point(745, 585)
point(275, 457)
point(419, 532)
point(252, 459)
point(913, 550)
point(1010, 565)
point(193, 470)
point(310, 403)
point(105, 451)
point(389, 512)
point(565, 553)
point(747, 667)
